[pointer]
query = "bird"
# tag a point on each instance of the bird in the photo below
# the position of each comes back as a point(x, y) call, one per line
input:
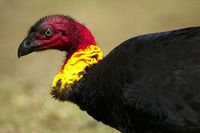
point(147, 84)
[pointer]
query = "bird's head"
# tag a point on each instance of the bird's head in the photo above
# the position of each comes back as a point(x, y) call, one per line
point(65, 34)
point(56, 32)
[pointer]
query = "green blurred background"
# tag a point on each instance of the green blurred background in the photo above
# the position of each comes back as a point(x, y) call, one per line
point(25, 103)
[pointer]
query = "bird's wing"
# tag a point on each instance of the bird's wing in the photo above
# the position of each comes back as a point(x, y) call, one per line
point(160, 74)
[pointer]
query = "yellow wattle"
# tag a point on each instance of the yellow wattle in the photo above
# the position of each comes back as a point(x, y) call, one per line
point(74, 68)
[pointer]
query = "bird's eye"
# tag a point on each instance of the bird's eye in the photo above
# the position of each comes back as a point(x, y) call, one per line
point(48, 32)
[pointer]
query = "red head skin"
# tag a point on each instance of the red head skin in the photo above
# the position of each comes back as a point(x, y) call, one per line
point(67, 34)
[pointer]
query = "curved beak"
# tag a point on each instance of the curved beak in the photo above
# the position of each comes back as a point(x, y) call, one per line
point(27, 46)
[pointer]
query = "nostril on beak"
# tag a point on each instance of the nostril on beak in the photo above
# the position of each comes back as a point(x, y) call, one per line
point(25, 48)
point(27, 44)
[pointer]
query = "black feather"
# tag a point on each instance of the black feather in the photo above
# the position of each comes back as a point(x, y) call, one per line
point(148, 84)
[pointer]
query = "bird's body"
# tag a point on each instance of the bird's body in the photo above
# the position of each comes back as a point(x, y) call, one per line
point(150, 81)
point(147, 84)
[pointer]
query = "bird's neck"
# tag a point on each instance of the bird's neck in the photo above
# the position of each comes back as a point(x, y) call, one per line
point(74, 68)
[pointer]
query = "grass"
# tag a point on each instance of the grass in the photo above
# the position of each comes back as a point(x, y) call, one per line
point(25, 103)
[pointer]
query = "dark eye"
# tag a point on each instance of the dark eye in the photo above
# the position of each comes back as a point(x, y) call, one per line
point(48, 32)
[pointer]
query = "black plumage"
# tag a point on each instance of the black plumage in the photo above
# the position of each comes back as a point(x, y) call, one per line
point(147, 84)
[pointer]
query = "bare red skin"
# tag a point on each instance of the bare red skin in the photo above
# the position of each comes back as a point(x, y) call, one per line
point(69, 35)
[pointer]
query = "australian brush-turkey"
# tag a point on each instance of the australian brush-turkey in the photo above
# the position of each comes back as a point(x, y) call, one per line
point(147, 84)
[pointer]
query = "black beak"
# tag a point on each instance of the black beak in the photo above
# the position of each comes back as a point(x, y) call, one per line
point(26, 47)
